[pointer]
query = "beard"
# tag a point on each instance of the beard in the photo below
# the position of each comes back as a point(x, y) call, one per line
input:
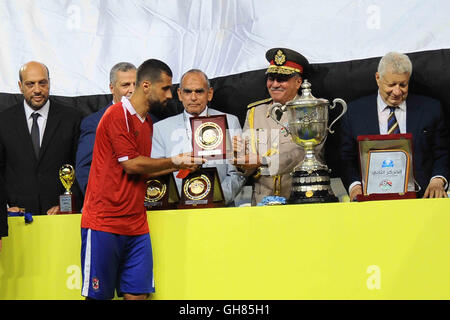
point(36, 106)
point(157, 106)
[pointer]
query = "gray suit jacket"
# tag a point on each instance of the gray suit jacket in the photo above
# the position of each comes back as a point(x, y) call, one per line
point(170, 138)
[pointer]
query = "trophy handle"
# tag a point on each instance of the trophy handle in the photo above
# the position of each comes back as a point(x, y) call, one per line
point(275, 112)
point(344, 110)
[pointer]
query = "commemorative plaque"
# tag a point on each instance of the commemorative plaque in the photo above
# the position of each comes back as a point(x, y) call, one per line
point(66, 200)
point(200, 189)
point(386, 167)
point(161, 193)
point(209, 137)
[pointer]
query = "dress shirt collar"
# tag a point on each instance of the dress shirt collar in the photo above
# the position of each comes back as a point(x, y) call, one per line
point(383, 105)
point(42, 111)
point(203, 114)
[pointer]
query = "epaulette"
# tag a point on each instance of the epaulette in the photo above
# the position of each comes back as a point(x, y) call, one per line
point(259, 102)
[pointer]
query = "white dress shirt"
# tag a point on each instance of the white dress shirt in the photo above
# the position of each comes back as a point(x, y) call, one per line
point(41, 121)
point(383, 114)
point(187, 122)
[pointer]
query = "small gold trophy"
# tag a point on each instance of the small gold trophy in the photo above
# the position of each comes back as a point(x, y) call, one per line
point(67, 177)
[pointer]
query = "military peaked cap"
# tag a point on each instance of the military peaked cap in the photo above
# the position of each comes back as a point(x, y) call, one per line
point(285, 61)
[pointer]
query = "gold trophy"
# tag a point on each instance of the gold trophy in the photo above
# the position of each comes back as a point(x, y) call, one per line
point(66, 200)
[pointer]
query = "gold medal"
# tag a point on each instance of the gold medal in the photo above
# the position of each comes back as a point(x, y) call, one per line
point(155, 190)
point(197, 188)
point(208, 135)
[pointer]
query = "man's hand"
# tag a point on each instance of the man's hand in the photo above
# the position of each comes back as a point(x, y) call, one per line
point(357, 189)
point(435, 189)
point(243, 160)
point(53, 211)
point(187, 161)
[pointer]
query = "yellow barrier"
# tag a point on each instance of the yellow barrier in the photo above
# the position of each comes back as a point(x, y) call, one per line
point(372, 250)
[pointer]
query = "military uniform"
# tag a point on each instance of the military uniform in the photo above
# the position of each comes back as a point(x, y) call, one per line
point(268, 138)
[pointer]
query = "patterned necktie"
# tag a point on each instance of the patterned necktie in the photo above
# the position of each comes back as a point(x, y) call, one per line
point(35, 134)
point(393, 127)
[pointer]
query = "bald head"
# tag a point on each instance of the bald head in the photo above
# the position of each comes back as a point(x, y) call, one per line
point(34, 83)
point(33, 64)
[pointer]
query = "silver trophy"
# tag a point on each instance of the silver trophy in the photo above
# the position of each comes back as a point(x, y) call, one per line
point(308, 127)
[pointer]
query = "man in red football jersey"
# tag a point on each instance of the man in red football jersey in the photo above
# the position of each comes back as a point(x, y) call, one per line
point(116, 247)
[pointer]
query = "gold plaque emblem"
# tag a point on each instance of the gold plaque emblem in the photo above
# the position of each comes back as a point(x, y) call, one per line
point(155, 190)
point(67, 177)
point(198, 187)
point(309, 194)
point(208, 135)
point(279, 58)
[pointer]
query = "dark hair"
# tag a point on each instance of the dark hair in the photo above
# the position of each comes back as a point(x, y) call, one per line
point(151, 70)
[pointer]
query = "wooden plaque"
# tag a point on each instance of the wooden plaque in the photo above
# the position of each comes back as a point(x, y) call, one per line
point(161, 193)
point(386, 166)
point(202, 188)
point(209, 137)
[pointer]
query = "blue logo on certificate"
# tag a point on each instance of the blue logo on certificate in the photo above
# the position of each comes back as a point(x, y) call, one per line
point(387, 163)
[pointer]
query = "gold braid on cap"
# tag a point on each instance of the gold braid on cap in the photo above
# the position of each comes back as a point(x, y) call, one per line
point(282, 69)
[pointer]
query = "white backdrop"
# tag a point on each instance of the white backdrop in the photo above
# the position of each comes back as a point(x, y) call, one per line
point(80, 40)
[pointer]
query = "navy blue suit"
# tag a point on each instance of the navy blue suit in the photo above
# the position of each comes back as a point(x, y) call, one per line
point(86, 141)
point(424, 119)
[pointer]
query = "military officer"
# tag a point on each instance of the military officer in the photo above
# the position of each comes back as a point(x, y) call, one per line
point(271, 153)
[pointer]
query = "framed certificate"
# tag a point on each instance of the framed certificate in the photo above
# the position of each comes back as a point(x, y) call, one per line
point(209, 136)
point(387, 171)
point(386, 165)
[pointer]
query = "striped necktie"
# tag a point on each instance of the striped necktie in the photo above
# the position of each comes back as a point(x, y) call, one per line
point(392, 126)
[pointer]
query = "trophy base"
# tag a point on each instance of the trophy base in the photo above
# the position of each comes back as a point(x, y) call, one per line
point(311, 187)
point(298, 198)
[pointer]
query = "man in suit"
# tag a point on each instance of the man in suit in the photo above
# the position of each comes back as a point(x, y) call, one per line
point(122, 83)
point(173, 135)
point(3, 213)
point(273, 154)
point(393, 110)
point(37, 137)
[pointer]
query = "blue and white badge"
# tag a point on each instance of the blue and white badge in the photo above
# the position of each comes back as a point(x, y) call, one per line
point(272, 201)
